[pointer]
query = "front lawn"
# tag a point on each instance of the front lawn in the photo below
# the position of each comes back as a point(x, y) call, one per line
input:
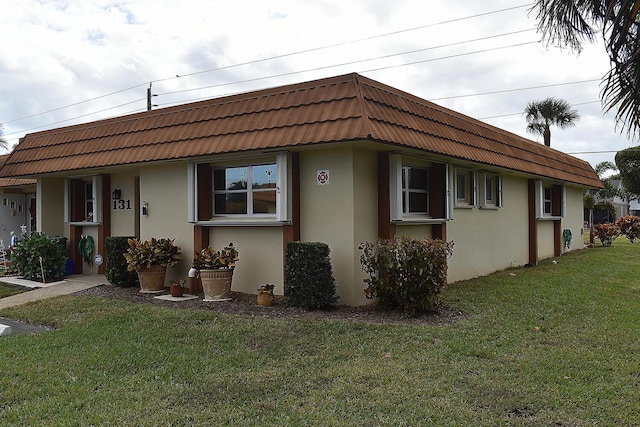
point(558, 345)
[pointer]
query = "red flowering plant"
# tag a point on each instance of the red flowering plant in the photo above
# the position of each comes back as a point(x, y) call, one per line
point(629, 227)
point(211, 259)
point(607, 233)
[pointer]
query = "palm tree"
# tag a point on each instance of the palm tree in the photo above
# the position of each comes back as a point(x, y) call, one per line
point(541, 115)
point(571, 22)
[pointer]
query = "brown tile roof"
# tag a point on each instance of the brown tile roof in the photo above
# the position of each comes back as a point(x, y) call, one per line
point(13, 182)
point(343, 108)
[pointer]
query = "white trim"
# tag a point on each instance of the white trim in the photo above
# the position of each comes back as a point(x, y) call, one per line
point(282, 188)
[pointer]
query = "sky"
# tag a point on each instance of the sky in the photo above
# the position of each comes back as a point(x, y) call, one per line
point(64, 62)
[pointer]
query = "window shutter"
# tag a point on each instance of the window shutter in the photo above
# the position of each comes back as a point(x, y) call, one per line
point(395, 186)
point(204, 191)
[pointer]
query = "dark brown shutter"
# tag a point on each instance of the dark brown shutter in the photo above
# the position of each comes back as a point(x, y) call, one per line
point(205, 192)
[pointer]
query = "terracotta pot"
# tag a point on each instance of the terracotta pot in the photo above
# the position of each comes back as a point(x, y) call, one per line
point(216, 284)
point(265, 298)
point(176, 291)
point(152, 278)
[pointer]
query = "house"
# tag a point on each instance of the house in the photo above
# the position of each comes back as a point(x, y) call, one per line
point(340, 160)
point(17, 207)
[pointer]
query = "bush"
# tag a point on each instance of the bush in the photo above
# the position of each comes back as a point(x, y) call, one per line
point(116, 269)
point(406, 273)
point(629, 227)
point(309, 281)
point(607, 233)
point(30, 250)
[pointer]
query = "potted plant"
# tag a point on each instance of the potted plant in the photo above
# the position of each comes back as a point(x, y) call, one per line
point(150, 259)
point(176, 288)
point(265, 295)
point(215, 269)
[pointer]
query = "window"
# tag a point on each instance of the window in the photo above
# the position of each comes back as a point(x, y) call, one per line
point(546, 201)
point(415, 190)
point(245, 190)
point(465, 187)
point(491, 194)
point(82, 200)
point(418, 190)
point(231, 191)
point(550, 200)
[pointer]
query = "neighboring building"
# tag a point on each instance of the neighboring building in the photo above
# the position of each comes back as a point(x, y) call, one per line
point(17, 207)
point(340, 160)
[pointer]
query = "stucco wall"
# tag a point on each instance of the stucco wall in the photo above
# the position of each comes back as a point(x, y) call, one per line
point(261, 256)
point(164, 188)
point(573, 219)
point(125, 214)
point(342, 213)
point(487, 240)
point(50, 207)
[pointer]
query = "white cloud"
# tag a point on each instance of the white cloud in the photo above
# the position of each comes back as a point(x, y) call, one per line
point(65, 52)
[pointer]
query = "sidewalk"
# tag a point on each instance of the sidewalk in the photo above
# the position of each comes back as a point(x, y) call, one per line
point(69, 285)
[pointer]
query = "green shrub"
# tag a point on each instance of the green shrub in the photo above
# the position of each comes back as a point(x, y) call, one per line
point(309, 281)
point(607, 233)
point(406, 273)
point(116, 266)
point(629, 227)
point(31, 250)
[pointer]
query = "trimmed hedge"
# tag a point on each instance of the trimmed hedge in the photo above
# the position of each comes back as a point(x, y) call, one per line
point(116, 268)
point(40, 254)
point(406, 273)
point(309, 281)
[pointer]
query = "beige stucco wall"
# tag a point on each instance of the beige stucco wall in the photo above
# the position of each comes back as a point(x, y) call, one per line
point(574, 218)
point(126, 215)
point(164, 188)
point(546, 247)
point(487, 240)
point(342, 213)
point(261, 256)
point(50, 207)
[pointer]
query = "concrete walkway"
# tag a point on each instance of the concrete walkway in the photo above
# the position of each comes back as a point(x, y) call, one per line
point(69, 285)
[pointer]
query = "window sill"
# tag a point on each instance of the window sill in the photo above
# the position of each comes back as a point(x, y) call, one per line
point(549, 218)
point(410, 221)
point(490, 208)
point(242, 223)
point(85, 224)
point(463, 206)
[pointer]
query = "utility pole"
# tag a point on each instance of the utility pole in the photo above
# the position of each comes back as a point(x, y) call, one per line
point(149, 95)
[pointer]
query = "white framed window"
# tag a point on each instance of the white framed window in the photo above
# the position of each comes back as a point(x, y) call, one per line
point(465, 188)
point(546, 200)
point(415, 190)
point(490, 190)
point(550, 200)
point(82, 200)
point(239, 190)
point(245, 190)
point(419, 190)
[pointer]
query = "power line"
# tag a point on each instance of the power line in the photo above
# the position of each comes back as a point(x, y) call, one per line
point(514, 90)
point(315, 49)
point(364, 60)
point(277, 57)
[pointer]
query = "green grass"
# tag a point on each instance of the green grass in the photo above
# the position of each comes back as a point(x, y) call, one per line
point(558, 345)
point(8, 290)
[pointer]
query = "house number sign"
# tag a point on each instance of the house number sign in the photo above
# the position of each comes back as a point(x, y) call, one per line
point(121, 205)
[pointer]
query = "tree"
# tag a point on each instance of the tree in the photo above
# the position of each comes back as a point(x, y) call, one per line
point(628, 162)
point(593, 198)
point(568, 23)
point(541, 115)
point(3, 142)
